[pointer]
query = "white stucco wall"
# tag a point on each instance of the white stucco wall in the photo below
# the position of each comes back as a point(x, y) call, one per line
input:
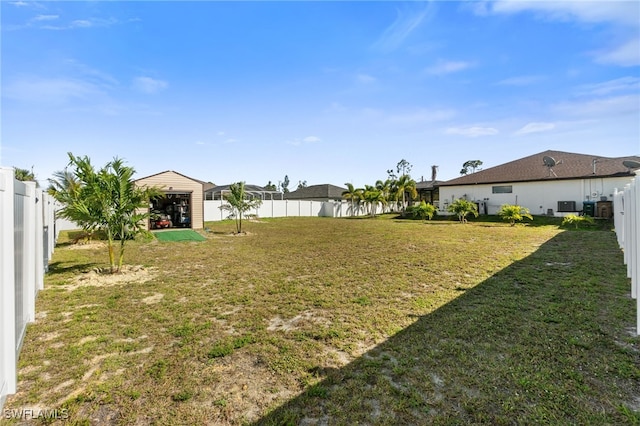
point(538, 197)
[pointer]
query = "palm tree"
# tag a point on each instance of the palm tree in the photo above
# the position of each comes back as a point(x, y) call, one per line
point(372, 196)
point(514, 213)
point(462, 208)
point(405, 185)
point(24, 175)
point(239, 203)
point(106, 200)
point(353, 194)
point(385, 189)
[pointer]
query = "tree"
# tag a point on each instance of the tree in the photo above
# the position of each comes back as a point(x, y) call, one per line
point(106, 200)
point(403, 167)
point(353, 194)
point(271, 187)
point(302, 184)
point(373, 196)
point(514, 213)
point(284, 185)
point(239, 203)
point(463, 208)
point(24, 175)
point(423, 210)
point(385, 187)
point(470, 165)
point(405, 185)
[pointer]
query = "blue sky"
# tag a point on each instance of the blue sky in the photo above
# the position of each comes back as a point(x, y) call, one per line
point(327, 92)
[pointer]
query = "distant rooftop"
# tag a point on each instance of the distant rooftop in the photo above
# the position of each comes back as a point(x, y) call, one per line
point(316, 192)
point(566, 165)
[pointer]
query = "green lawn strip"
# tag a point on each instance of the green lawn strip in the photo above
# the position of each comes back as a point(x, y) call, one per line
point(178, 235)
point(442, 323)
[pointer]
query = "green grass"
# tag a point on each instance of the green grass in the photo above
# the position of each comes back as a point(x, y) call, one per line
point(370, 321)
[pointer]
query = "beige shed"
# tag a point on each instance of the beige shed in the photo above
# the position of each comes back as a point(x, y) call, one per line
point(183, 205)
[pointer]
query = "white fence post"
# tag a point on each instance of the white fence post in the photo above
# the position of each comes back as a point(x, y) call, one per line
point(8, 372)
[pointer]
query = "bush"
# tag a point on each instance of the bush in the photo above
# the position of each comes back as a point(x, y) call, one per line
point(514, 213)
point(422, 211)
point(577, 220)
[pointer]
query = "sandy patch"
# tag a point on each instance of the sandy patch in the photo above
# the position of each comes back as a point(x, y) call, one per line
point(154, 298)
point(100, 278)
point(88, 245)
point(87, 340)
point(278, 323)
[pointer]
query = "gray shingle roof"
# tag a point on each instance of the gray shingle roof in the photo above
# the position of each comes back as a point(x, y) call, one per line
point(532, 168)
point(315, 192)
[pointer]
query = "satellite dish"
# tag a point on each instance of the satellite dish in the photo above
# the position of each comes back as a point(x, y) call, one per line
point(549, 161)
point(631, 164)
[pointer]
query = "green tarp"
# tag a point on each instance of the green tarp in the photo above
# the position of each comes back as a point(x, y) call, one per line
point(179, 235)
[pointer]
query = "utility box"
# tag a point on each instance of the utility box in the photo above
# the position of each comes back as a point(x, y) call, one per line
point(589, 208)
point(604, 209)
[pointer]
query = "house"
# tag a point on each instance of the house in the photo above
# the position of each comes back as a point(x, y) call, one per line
point(182, 205)
point(428, 191)
point(548, 183)
point(324, 192)
point(217, 192)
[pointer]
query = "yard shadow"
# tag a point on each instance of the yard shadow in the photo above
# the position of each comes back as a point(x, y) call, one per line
point(541, 341)
point(64, 268)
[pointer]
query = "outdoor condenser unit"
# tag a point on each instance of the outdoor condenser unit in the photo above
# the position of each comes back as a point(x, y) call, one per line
point(566, 206)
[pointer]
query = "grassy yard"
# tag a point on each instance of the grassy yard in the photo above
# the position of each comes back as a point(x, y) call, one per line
point(340, 321)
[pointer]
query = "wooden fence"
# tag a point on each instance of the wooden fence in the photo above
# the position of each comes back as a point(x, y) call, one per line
point(27, 238)
point(626, 206)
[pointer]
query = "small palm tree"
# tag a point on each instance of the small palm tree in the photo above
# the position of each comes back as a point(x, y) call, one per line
point(463, 208)
point(405, 185)
point(424, 210)
point(105, 200)
point(354, 195)
point(514, 213)
point(24, 175)
point(240, 202)
point(373, 196)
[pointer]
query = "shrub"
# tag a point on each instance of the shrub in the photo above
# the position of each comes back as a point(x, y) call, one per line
point(422, 211)
point(514, 213)
point(577, 220)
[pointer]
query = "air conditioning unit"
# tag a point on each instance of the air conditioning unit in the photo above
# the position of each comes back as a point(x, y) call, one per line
point(566, 206)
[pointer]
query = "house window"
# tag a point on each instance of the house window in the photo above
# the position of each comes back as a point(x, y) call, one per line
point(502, 189)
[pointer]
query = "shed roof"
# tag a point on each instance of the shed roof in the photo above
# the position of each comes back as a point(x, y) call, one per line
point(532, 168)
point(323, 191)
point(203, 183)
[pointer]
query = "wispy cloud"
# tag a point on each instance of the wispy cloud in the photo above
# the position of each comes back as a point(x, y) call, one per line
point(405, 23)
point(584, 11)
point(535, 128)
point(40, 18)
point(472, 132)
point(522, 80)
point(602, 107)
point(148, 85)
point(421, 116)
point(82, 23)
point(623, 84)
point(365, 79)
point(443, 67)
point(625, 55)
point(304, 141)
point(50, 90)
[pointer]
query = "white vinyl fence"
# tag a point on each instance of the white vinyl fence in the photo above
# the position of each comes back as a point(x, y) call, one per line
point(27, 240)
point(626, 206)
point(288, 208)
